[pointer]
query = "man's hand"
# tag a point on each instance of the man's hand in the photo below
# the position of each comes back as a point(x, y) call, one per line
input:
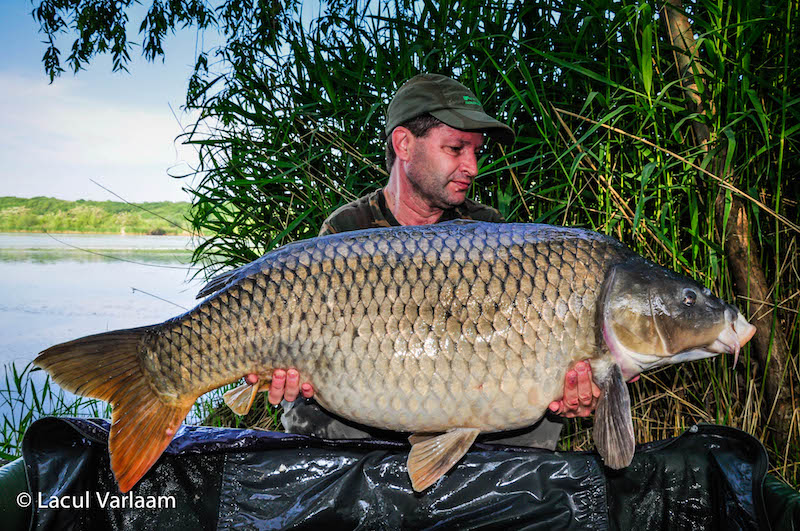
point(284, 385)
point(580, 393)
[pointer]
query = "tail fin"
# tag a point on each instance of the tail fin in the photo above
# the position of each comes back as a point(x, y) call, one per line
point(107, 366)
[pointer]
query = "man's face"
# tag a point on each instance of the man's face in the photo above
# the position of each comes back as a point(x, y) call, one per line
point(442, 165)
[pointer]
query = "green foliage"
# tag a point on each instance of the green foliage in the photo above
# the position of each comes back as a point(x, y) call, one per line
point(101, 27)
point(46, 214)
point(24, 398)
point(211, 410)
point(28, 394)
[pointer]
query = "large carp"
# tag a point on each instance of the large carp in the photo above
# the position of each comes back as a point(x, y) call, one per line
point(444, 331)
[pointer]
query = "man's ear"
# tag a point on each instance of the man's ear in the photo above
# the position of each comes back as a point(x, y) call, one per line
point(401, 141)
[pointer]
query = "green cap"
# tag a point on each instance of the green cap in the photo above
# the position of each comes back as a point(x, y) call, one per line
point(446, 100)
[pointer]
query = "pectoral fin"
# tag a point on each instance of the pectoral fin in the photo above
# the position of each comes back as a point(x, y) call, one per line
point(613, 424)
point(240, 400)
point(432, 456)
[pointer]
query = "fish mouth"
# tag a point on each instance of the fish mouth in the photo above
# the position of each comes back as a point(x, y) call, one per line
point(733, 338)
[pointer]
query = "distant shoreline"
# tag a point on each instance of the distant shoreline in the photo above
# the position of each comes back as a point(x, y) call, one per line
point(47, 214)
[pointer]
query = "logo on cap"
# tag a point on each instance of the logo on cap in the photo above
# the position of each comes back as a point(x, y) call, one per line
point(469, 100)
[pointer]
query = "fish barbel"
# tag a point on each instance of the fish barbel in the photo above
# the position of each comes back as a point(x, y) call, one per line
point(445, 331)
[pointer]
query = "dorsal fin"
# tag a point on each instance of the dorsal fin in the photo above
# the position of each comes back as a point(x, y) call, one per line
point(218, 282)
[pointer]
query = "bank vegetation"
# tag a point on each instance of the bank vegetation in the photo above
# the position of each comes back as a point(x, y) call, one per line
point(47, 214)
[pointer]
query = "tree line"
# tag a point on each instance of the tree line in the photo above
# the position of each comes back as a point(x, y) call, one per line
point(47, 214)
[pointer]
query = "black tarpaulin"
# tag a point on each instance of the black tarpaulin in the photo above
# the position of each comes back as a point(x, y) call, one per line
point(708, 478)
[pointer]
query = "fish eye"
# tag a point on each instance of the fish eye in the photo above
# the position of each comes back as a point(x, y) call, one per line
point(689, 297)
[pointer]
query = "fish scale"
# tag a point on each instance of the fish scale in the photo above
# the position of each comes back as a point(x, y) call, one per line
point(460, 327)
point(399, 334)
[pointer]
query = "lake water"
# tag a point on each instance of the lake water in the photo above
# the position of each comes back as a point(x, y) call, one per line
point(61, 287)
point(58, 288)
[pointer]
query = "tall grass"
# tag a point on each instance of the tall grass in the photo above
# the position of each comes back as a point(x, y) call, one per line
point(292, 129)
point(27, 395)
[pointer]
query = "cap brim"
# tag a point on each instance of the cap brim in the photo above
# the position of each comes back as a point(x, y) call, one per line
point(475, 121)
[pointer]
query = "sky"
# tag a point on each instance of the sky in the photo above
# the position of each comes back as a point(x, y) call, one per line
point(118, 129)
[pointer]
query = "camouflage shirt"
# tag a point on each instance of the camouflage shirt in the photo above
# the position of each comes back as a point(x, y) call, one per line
point(371, 211)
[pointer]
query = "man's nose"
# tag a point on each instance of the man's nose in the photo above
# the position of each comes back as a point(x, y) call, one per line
point(470, 163)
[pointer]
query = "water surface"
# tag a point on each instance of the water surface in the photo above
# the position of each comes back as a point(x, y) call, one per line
point(54, 289)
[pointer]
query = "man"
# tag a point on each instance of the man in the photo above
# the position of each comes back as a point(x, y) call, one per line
point(435, 128)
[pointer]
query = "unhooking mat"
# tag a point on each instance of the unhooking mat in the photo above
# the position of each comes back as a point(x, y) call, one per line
point(209, 478)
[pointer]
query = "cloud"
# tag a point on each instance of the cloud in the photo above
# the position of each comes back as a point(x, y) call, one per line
point(56, 137)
